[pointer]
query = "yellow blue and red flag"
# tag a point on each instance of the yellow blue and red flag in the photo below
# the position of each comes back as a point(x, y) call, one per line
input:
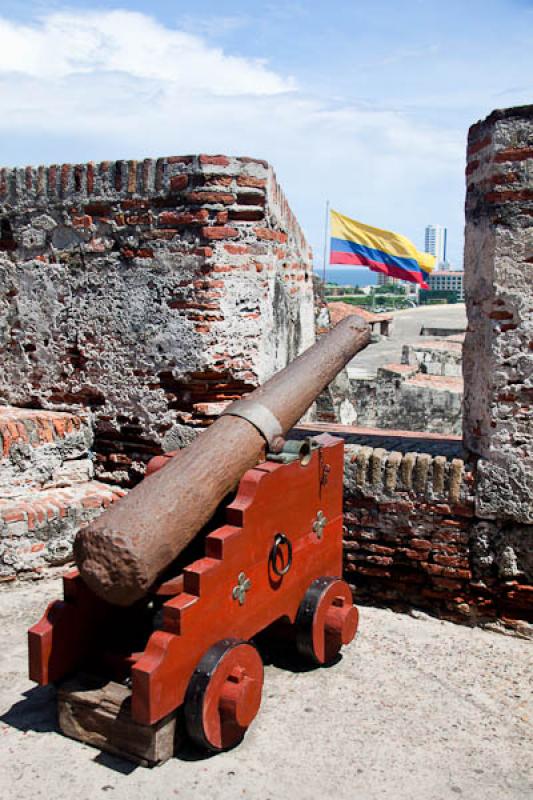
point(382, 251)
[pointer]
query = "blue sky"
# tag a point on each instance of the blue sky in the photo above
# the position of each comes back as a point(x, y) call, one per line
point(366, 104)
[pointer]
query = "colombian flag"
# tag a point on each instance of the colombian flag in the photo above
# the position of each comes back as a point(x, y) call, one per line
point(381, 251)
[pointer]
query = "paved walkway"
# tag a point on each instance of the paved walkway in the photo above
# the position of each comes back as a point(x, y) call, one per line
point(406, 330)
point(417, 709)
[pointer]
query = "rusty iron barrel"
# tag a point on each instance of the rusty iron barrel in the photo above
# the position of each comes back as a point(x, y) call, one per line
point(121, 554)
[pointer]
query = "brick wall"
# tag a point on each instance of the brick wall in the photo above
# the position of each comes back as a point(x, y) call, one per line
point(150, 292)
point(405, 396)
point(498, 350)
point(40, 447)
point(412, 538)
point(37, 531)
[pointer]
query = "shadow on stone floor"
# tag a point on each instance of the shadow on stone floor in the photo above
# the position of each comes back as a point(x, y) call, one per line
point(37, 712)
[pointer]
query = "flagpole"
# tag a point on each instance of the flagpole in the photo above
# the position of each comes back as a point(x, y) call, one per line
point(326, 224)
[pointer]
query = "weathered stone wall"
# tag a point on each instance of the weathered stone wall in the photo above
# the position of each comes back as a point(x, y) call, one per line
point(435, 357)
point(498, 351)
point(46, 489)
point(412, 538)
point(403, 397)
point(40, 448)
point(149, 292)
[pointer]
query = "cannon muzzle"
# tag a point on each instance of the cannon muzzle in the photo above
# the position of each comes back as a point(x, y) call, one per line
point(121, 554)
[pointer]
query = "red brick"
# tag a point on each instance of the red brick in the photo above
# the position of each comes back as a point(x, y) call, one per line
point(178, 183)
point(254, 183)
point(247, 215)
point(514, 154)
point(219, 161)
point(242, 249)
point(206, 252)
point(379, 549)
point(463, 510)
point(475, 147)
point(92, 502)
point(139, 219)
point(65, 174)
point(373, 571)
point(137, 252)
point(219, 233)
point(52, 179)
point(84, 221)
point(450, 561)
point(225, 268)
point(177, 219)
point(200, 198)
point(132, 176)
point(134, 203)
point(269, 235)
point(217, 180)
point(166, 235)
point(16, 515)
point(251, 199)
point(509, 196)
point(98, 209)
point(472, 166)
point(421, 544)
point(180, 159)
point(414, 555)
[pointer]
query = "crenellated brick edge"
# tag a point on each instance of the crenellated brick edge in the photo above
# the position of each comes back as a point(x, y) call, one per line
point(411, 535)
point(499, 176)
point(37, 531)
point(35, 427)
point(240, 186)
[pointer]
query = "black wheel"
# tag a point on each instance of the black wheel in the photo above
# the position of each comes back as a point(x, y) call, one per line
point(326, 620)
point(224, 695)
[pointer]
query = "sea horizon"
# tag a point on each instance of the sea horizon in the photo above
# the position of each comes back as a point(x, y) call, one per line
point(349, 276)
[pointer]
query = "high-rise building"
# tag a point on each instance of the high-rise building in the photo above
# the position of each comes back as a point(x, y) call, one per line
point(435, 243)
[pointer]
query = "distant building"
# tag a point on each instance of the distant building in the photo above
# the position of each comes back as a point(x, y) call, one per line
point(386, 280)
point(435, 243)
point(447, 281)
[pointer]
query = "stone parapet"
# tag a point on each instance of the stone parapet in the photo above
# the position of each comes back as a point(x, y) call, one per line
point(412, 538)
point(403, 396)
point(149, 292)
point(42, 448)
point(498, 350)
point(37, 529)
point(442, 357)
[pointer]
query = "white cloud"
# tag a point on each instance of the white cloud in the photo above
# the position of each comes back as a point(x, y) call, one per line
point(120, 85)
point(72, 43)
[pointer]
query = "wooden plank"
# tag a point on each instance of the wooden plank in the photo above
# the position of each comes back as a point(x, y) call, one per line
point(99, 714)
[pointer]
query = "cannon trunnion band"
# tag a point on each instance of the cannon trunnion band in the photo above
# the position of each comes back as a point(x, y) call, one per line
point(257, 415)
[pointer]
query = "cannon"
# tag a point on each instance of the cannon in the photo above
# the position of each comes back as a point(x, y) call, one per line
point(235, 538)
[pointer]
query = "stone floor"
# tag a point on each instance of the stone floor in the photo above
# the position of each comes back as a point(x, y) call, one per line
point(406, 329)
point(417, 709)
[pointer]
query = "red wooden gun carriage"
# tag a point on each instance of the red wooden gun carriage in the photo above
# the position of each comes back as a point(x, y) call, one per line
point(271, 562)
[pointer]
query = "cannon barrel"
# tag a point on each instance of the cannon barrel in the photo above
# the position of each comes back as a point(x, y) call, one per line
point(121, 554)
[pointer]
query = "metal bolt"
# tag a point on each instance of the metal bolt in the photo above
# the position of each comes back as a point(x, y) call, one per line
point(319, 524)
point(243, 585)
